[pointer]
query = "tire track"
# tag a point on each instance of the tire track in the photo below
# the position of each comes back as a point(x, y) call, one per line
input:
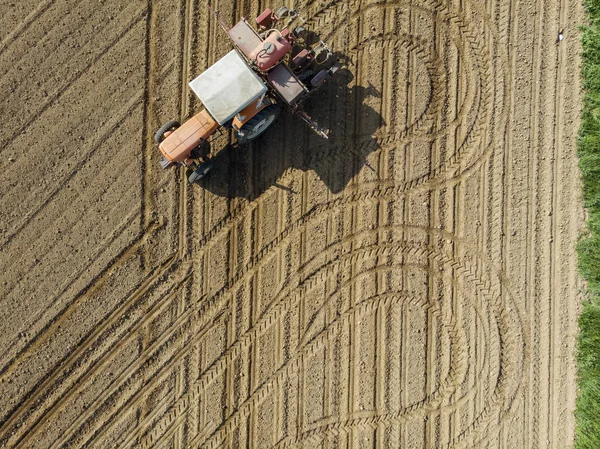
point(148, 149)
point(110, 128)
point(512, 34)
point(11, 37)
point(105, 131)
point(515, 36)
point(353, 268)
point(498, 179)
point(255, 306)
point(84, 363)
point(186, 213)
point(45, 397)
point(565, 230)
point(240, 346)
point(186, 62)
point(280, 327)
point(209, 316)
point(233, 420)
point(47, 36)
point(147, 203)
point(202, 215)
point(409, 95)
point(212, 373)
point(215, 305)
point(309, 348)
point(473, 42)
point(556, 399)
point(532, 221)
point(77, 75)
point(183, 272)
point(497, 403)
point(385, 108)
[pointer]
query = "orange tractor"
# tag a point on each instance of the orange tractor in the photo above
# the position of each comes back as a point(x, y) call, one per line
point(243, 91)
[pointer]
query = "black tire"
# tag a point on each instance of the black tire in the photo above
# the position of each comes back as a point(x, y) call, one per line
point(200, 172)
point(158, 137)
point(257, 124)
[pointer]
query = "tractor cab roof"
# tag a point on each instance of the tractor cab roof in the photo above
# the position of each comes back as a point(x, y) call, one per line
point(227, 87)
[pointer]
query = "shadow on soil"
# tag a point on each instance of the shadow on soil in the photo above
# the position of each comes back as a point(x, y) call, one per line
point(249, 170)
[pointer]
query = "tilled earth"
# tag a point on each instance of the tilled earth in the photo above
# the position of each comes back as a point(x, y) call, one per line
point(409, 283)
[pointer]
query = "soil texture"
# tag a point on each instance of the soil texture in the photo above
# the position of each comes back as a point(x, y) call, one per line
point(410, 282)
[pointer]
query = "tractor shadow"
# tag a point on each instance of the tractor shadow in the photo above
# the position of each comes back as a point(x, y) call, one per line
point(247, 171)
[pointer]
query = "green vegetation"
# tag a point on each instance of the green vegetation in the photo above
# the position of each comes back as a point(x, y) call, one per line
point(588, 402)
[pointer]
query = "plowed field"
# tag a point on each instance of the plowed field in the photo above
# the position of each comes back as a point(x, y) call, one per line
point(410, 282)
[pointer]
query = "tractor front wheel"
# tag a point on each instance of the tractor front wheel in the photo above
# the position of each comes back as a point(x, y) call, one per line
point(200, 172)
point(257, 124)
point(158, 137)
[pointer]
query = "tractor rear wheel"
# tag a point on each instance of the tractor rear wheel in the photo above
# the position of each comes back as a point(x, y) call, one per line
point(200, 172)
point(158, 137)
point(257, 124)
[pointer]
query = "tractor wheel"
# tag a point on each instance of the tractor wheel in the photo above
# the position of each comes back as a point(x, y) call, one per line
point(282, 12)
point(158, 137)
point(200, 172)
point(257, 124)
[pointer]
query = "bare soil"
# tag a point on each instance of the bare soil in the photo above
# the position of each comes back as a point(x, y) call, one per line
point(411, 282)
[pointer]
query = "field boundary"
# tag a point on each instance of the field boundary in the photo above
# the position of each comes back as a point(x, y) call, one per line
point(588, 401)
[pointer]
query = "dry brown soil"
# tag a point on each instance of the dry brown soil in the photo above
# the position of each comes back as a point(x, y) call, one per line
point(409, 283)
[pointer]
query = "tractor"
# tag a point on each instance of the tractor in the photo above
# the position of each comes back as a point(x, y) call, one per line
point(271, 66)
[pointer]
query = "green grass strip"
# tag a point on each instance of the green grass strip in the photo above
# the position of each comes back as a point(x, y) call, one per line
point(588, 400)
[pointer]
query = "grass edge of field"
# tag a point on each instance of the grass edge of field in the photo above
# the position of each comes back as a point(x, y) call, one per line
point(588, 147)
